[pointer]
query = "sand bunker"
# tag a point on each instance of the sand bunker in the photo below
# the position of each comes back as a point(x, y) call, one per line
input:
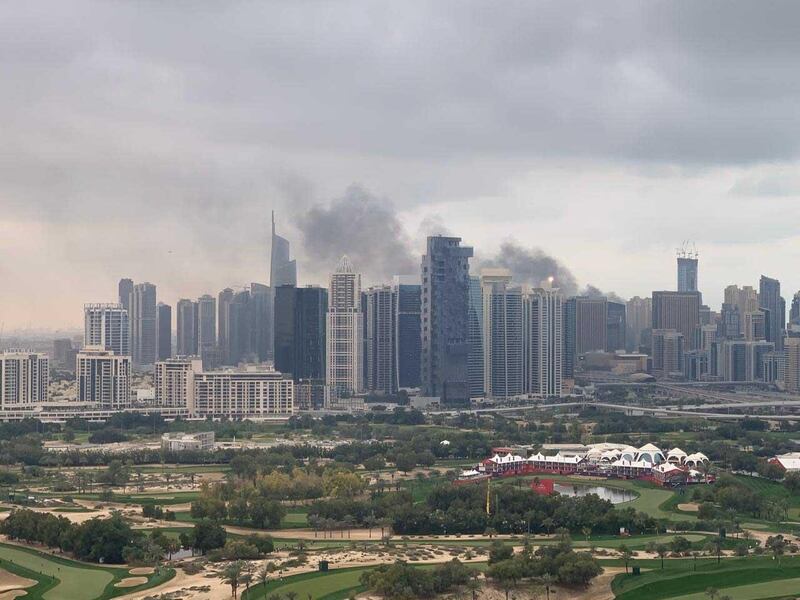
point(142, 571)
point(131, 582)
point(9, 581)
point(689, 507)
point(11, 594)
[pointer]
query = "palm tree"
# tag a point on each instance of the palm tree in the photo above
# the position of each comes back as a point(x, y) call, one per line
point(262, 577)
point(662, 550)
point(548, 524)
point(291, 595)
point(548, 582)
point(626, 555)
point(586, 531)
point(474, 586)
point(712, 593)
point(232, 576)
point(490, 531)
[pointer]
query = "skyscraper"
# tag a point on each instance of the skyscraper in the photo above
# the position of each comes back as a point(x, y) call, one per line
point(769, 298)
point(380, 330)
point(668, 349)
point(24, 379)
point(638, 317)
point(282, 270)
point(224, 300)
point(143, 324)
point(591, 324)
point(745, 300)
point(793, 364)
point(542, 339)
point(407, 292)
point(475, 339)
point(106, 325)
point(687, 273)
point(125, 289)
point(615, 326)
point(344, 353)
point(794, 311)
point(206, 324)
point(445, 319)
point(502, 334)
point(186, 317)
point(300, 315)
point(679, 311)
point(163, 331)
point(240, 329)
point(569, 318)
point(261, 321)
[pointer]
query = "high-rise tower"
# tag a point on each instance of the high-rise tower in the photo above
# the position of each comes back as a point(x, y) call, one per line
point(282, 270)
point(345, 322)
point(186, 316)
point(445, 319)
point(769, 299)
point(687, 268)
point(106, 325)
point(143, 324)
point(502, 334)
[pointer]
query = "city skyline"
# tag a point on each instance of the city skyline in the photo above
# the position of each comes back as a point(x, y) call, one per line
point(688, 132)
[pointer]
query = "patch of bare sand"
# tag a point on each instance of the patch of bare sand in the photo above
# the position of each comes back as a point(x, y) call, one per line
point(142, 571)
point(11, 594)
point(130, 582)
point(689, 507)
point(202, 586)
point(9, 581)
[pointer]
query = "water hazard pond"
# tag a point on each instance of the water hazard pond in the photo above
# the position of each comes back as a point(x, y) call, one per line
point(614, 495)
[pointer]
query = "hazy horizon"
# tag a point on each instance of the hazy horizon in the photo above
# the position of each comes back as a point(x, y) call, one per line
point(151, 141)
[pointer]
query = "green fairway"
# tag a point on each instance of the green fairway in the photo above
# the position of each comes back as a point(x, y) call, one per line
point(64, 579)
point(75, 582)
point(679, 579)
point(311, 585)
point(756, 591)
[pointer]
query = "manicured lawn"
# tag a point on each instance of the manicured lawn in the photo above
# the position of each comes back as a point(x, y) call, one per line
point(74, 581)
point(63, 579)
point(314, 585)
point(678, 579)
point(756, 591)
point(295, 519)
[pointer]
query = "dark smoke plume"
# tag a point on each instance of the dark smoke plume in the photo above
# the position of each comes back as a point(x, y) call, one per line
point(532, 266)
point(364, 227)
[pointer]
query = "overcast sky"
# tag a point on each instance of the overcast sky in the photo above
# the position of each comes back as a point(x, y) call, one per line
point(152, 139)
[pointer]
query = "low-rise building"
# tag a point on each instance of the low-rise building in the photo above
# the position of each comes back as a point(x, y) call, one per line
point(244, 393)
point(178, 441)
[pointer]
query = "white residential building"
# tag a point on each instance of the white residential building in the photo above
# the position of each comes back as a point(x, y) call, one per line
point(502, 334)
point(543, 339)
point(243, 394)
point(252, 392)
point(344, 372)
point(174, 381)
point(24, 379)
point(103, 377)
point(106, 326)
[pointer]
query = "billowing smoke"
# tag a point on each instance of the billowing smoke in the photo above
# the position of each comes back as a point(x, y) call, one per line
point(594, 292)
point(364, 227)
point(532, 266)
